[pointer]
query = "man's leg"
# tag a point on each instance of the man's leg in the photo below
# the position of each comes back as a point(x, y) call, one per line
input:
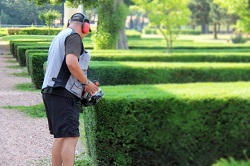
point(56, 152)
point(68, 150)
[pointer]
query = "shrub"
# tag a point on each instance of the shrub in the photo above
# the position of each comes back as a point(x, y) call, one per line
point(113, 73)
point(14, 43)
point(36, 68)
point(33, 31)
point(169, 124)
point(3, 32)
point(33, 51)
point(239, 39)
point(174, 57)
point(21, 51)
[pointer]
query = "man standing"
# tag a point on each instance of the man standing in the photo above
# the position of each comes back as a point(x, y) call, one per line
point(64, 82)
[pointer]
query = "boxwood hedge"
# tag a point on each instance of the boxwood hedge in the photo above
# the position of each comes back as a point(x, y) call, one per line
point(188, 124)
point(36, 68)
point(174, 57)
point(33, 51)
point(21, 57)
point(13, 43)
point(113, 73)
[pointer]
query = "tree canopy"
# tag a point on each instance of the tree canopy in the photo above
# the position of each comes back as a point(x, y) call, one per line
point(241, 8)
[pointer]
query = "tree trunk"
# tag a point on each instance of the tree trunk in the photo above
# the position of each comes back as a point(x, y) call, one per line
point(215, 31)
point(204, 28)
point(131, 23)
point(122, 42)
point(110, 33)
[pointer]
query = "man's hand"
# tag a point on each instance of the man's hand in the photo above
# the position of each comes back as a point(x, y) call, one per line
point(91, 88)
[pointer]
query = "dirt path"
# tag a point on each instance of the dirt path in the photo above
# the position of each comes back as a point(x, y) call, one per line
point(24, 141)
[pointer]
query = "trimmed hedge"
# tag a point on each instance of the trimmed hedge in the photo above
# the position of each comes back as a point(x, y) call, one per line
point(36, 62)
point(21, 57)
point(34, 51)
point(14, 43)
point(175, 57)
point(114, 73)
point(153, 47)
point(188, 124)
point(165, 57)
point(33, 31)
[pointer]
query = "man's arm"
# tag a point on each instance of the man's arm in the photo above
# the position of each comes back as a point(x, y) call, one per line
point(75, 70)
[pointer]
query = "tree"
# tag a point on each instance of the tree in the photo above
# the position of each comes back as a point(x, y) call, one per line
point(22, 12)
point(167, 16)
point(218, 16)
point(241, 8)
point(111, 21)
point(50, 16)
point(200, 13)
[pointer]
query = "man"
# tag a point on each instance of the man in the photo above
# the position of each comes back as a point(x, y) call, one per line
point(64, 82)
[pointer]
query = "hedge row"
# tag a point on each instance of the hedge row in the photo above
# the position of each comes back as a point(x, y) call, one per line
point(21, 57)
point(153, 47)
point(36, 69)
point(14, 43)
point(34, 51)
point(165, 57)
point(33, 31)
point(188, 124)
point(115, 73)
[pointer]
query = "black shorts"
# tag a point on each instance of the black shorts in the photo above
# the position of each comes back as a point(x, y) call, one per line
point(62, 114)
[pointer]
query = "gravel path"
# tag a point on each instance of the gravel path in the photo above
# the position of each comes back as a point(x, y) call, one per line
point(24, 141)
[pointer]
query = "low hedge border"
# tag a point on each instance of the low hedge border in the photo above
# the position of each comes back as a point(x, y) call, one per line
point(34, 31)
point(169, 124)
point(186, 47)
point(14, 43)
point(36, 69)
point(115, 73)
point(34, 51)
point(164, 57)
point(21, 57)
